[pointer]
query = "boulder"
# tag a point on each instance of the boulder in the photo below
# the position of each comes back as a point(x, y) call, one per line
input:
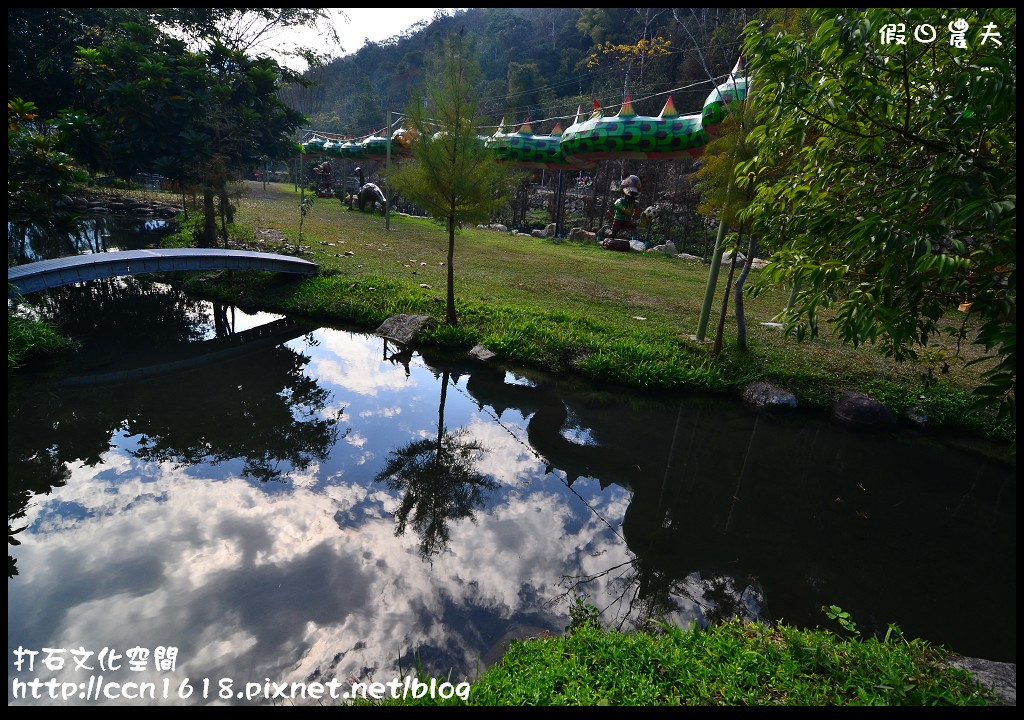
point(688, 256)
point(668, 248)
point(916, 415)
point(549, 231)
point(405, 328)
point(482, 353)
point(858, 410)
point(758, 263)
point(581, 235)
point(1000, 676)
point(727, 258)
point(538, 234)
point(63, 201)
point(498, 227)
point(766, 396)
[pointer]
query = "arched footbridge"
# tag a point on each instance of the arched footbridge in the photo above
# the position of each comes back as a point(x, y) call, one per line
point(46, 274)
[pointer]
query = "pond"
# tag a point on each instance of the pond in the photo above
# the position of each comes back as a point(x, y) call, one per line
point(285, 502)
point(88, 234)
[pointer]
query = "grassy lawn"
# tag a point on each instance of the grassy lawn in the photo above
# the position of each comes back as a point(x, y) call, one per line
point(732, 664)
point(617, 317)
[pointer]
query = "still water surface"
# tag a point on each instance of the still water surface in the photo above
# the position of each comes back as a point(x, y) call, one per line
point(86, 235)
point(288, 502)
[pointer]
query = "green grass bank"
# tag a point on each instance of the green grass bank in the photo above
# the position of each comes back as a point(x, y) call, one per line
point(623, 318)
point(731, 664)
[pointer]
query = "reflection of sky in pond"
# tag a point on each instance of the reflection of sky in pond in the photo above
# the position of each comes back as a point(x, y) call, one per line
point(289, 580)
point(107, 233)
point(304, 577)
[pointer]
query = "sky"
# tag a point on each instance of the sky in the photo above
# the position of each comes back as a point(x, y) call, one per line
point(354, 26)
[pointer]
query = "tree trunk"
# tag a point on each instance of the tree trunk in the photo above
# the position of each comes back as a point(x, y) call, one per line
point(209, 236)
point(720, 331)
point(741, 320)
point(226, 204)
point(223, 196)
point(709, 290)
point(450, 318)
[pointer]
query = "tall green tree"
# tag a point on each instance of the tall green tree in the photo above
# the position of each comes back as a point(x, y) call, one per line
point(898, 204)
point(451, 176)
point(727, 189)
point(211, 111)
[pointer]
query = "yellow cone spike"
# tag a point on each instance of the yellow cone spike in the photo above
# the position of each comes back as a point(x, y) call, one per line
point(669, 111)
point(557, 129)
point(627, 108)
point(525, 129)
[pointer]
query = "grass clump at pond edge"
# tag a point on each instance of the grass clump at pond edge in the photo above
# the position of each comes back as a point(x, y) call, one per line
point(28, 337)
point(733, 663)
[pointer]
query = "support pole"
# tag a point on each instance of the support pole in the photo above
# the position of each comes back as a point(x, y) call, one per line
point(559, 204)
point(387, 199)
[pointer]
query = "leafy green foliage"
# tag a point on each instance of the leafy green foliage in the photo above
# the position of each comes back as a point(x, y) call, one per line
point(37, 171)
point(834, 612)
point(582, 614)
point(898, 200)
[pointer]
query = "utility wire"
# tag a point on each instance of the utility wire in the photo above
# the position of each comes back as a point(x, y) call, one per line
point(712, 81)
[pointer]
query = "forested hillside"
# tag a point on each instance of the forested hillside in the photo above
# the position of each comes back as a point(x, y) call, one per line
point(537, 63)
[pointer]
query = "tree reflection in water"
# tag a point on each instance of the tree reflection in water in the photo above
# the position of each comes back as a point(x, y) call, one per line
point(438, 481)
point(242, 396)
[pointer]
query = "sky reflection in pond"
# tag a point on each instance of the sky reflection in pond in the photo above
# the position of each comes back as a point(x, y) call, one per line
point(691, 509)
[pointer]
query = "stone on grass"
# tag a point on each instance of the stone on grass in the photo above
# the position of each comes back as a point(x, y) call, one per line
point(405, 328)
point(581, 235)
point(1000, 676)
point(859, 410)
point(916, 415)
point(766, 396)
point(482, 353)
point(668, 248)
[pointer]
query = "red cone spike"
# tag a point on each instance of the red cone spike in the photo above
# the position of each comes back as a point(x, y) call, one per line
point(627, 108)
point(669, 111)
